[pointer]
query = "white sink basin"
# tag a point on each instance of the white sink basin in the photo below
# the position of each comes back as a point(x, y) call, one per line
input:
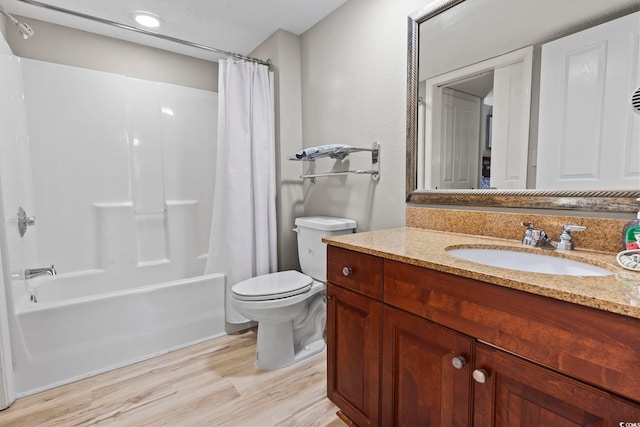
point(527, 261)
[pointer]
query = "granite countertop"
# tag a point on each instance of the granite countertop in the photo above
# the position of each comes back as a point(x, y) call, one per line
point(427, 248)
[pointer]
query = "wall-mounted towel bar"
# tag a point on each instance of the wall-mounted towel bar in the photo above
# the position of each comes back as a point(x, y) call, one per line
point(375, 163)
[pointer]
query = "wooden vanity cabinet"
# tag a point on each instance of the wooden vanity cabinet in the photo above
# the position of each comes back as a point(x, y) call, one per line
point(520, 393)
point(420, 385)
point(454, 351)
point(354, 318)
point(594, 346)
point(353, 355)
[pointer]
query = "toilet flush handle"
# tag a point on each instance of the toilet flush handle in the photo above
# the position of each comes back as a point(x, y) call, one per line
point(347, 271)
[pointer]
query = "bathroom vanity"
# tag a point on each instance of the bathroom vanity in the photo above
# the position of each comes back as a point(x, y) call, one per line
point(417, 336)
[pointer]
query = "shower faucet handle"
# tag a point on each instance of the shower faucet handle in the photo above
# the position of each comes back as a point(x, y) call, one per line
point(24, 221)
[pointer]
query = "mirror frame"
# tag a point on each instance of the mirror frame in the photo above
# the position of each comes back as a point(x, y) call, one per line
point(582, 200)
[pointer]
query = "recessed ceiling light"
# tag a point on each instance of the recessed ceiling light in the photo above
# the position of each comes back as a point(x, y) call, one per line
point(146, 19)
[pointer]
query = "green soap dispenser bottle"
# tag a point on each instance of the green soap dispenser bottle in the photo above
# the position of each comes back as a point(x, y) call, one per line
point(631, 233)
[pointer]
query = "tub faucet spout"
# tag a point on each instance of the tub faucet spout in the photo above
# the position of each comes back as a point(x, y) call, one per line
point(30, 273)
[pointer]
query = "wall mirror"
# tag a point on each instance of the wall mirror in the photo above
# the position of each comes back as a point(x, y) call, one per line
point(519, 103)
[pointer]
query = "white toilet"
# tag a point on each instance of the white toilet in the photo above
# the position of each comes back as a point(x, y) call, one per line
point(289, 306)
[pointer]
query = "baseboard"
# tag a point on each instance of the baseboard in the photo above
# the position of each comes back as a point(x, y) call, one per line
point(231, 328)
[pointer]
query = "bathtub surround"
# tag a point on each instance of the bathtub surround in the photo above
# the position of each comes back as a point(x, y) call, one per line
point(11, 126)
point(243, 233)
point(7, 385)
point(99, 159)
point(109, 186)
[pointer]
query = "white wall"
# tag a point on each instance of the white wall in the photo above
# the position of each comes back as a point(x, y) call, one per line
point(63, 45)
point(354, 77)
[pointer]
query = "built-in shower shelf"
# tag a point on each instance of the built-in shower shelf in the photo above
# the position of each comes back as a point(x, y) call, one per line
point(344, 152)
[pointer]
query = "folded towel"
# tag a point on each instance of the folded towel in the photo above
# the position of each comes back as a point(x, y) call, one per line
point(336, 151)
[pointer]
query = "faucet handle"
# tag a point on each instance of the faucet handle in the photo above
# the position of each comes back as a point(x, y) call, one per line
point(531, 235)
point(568, 228)
point(566, 242)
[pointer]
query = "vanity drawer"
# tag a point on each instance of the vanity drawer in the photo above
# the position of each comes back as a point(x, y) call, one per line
point(355, 271)
point(597, 347)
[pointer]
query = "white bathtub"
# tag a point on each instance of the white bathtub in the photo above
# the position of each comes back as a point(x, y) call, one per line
point(70, 334)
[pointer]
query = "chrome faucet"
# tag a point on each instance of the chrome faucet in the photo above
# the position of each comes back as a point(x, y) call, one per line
point(30, 273)
point(533, 237)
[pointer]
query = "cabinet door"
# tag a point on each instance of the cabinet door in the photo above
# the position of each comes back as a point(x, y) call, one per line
point(420, 385)
point(518, 393)
point(353, 354)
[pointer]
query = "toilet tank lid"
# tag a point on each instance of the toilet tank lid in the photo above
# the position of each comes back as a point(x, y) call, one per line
point(326, 223)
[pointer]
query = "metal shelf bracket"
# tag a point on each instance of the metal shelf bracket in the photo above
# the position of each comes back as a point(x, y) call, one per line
point(374, 171)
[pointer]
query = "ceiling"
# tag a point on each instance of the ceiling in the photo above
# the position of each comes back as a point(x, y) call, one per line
point(479, 86)
point(237, 26)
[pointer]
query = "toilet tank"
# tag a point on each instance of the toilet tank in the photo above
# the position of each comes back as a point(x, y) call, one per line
point(312, 253)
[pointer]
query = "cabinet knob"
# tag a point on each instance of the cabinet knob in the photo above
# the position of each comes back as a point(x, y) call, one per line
point(480, 376)
point(458, 362)
point(347, 271)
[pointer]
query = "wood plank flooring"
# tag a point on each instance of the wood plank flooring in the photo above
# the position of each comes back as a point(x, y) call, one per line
point(214, 383)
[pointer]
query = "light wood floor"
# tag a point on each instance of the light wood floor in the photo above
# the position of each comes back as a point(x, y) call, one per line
point(214, 383)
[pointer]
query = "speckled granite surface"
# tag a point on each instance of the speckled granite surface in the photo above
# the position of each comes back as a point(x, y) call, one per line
point(602, 234)
point(427, 248)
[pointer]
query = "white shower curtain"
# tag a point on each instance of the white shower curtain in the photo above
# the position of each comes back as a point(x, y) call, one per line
point(243, 231)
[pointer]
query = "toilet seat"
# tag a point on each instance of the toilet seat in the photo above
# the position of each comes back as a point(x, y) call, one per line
point(272, 286)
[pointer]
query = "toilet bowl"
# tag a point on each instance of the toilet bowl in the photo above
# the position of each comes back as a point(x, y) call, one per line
point(290, 328)
point(290, 306)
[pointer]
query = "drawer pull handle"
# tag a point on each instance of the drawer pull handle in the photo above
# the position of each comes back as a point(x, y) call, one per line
point(458, 362)
point(480, 376)
point(347, 271)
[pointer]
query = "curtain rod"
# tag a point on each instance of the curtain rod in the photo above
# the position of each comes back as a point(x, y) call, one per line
point(146, 32)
